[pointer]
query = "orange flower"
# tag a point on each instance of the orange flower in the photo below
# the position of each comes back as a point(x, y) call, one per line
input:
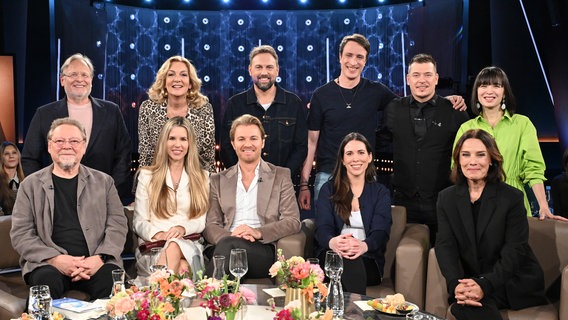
point(322, 289)
point(309, 293)
point(328, 315)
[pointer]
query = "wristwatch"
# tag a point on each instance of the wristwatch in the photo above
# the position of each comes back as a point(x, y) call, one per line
point(104, 257)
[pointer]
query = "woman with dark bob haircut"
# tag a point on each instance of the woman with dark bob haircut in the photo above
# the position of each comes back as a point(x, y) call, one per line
point(482, 241)
point(353, 215)
point(493, 102)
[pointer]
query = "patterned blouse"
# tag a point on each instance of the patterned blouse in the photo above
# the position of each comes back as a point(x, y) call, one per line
point(151, 119)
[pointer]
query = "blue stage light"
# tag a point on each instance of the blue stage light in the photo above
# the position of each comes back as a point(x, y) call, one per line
point(342, 1)
point(303, 1)
point(264, 1)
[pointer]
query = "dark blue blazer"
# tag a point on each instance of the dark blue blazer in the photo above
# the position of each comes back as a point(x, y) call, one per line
point(375, 206)
point(109, 144)
point(495, 252)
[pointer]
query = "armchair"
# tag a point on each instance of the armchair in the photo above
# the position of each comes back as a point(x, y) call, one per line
point(548, 241)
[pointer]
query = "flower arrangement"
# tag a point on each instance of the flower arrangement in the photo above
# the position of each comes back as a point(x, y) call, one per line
point(292, 312)
point(161, 300)
point(222, 296)
point(295, 272)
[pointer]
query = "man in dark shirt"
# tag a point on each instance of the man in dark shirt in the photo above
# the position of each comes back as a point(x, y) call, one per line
point(422, 128)
point(281, 112)
point(348, 103)
point(68, 224)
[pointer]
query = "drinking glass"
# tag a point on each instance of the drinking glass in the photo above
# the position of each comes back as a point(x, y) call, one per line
point(334, 269)
point(238, 264)
point(155, 263)
point(218, 267)
point(317, 296)
point(117, 282)
point(39, 303)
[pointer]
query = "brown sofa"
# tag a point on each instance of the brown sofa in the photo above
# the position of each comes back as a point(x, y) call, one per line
point(549, 242)
point(405, 258)
point(14, 291)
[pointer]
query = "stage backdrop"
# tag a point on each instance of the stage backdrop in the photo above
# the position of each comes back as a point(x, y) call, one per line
point(128, 45)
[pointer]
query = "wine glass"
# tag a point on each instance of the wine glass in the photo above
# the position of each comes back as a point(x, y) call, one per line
point(333, 265)
point(238, 264)
point(155, 263)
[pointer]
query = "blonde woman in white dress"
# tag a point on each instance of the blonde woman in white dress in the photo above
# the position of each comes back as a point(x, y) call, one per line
point(172, 199)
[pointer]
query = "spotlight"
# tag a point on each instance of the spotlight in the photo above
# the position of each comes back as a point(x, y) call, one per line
point(264, 1)
point(342, 1)
point(226, 1)
point(186, 1)
point(381, 1)
point(147, 1)
point(303, 1)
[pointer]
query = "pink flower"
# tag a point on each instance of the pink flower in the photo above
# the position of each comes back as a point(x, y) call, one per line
point(248, 294)
point(273, 271)
point(301, 271)
point(317, 271)
point(123, 306)
point(293, 305)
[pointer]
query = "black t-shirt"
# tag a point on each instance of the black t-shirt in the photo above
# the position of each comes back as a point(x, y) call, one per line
point(334, 119)
point(67, 231)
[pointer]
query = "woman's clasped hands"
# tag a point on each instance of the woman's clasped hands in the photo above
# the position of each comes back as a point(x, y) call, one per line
point(468, 292)
point(347, 246)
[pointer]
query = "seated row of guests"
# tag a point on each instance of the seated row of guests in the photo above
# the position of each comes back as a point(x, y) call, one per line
point(251, 205)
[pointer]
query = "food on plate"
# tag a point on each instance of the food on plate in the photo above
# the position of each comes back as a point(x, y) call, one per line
point(392, 304)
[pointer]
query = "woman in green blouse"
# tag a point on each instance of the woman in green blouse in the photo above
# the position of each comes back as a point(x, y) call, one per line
point(494, 104)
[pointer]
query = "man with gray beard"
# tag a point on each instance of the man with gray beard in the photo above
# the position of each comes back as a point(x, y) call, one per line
point(68, 224)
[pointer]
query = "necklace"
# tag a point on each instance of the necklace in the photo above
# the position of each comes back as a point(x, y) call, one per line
point(347, 104)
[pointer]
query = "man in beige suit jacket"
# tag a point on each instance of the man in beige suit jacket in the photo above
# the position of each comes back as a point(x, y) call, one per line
point(252, 204)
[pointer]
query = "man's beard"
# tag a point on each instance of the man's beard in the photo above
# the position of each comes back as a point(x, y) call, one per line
point(266, 86)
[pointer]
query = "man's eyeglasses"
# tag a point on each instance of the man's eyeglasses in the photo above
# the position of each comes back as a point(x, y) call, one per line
point(61, 142)
point(76, 75)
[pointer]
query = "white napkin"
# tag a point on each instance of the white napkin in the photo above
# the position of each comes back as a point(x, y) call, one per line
point(275, 292)
point(363, 305)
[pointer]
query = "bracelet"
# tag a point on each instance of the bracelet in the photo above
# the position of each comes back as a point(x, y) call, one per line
point(304, 189)
point(303, 184)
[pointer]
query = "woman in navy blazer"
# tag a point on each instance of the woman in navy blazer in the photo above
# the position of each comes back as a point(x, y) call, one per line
point(482, 242)
point(353, 216)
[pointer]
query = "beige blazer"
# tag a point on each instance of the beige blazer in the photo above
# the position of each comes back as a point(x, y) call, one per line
point(277, 207)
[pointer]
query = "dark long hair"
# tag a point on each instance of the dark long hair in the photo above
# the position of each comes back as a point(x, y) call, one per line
point(495, 172)
point(493, 76)
point(342, 195)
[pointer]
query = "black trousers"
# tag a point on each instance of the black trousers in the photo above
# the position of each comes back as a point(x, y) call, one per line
point(357, 274)
point(99, 286)
point(419, 210)
point(260, 256)
point(489, 311)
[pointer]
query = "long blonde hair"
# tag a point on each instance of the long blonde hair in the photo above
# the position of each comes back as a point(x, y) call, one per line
point(162, 199)
point(159, 94)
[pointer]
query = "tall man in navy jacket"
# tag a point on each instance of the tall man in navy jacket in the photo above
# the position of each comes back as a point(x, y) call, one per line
point(422, 128)
point(108, 142)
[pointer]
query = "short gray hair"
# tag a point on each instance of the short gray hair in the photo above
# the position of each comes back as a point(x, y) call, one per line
point(81, 57)
point(62, 121)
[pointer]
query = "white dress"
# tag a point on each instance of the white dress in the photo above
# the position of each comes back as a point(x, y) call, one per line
point(146, 224)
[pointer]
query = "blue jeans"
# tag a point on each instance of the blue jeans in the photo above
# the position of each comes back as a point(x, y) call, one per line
point(321, 178)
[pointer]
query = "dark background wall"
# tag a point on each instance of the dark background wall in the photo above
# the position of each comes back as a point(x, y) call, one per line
point(464, 36)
